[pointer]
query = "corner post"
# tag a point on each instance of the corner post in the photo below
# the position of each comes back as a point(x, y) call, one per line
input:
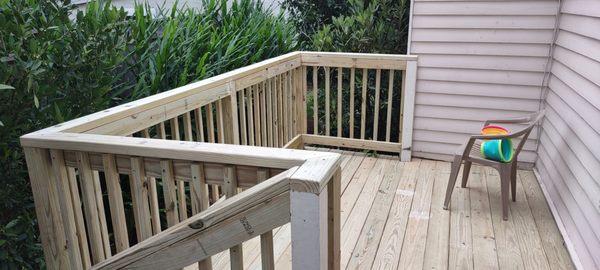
point(47, 208)
point(315, 221)
point(409, 108)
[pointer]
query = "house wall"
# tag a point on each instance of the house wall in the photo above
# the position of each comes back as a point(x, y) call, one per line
point(477, 60)
point(569, 151)
point(486, 59)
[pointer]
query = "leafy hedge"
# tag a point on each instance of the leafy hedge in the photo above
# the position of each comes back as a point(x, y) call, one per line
point(366, 26)
point(57, 64)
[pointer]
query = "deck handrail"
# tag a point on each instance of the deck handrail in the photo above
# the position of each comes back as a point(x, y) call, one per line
point(191, 136)
point(263, 205)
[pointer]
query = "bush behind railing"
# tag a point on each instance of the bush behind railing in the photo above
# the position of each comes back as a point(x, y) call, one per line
point(57, 64)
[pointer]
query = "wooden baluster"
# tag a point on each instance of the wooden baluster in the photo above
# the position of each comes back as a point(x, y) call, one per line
point(210, 123)
point(303, 106)
point(199, 125)
point(257, 120)
point(170, 192)
point(115, 196)
point(327, 101)
point(242, 109)
point(231, 118)
point(220, 122)
point(266, 239)
point(139, 194)
point(263, 112)
point(236, 255)
point(275, 91)
point(363, 108)
point(352, 74)
point(250, 115)
point(86, 179)
point(101, 214)
point(152, 191)
point(187, 127)
point(63, 192)
point(340, 117)
point(199, 197)
point(294, 102)
point(79, 222)
point(315, 100)
point(174, 122)
point(388, 120)
point(285, 108)
point(180, 184)
point(160, 131)
point(376, 108)
point(280, 119)
point(269, 103)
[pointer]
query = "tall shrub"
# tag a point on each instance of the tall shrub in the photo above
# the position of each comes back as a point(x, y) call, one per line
point(366, 26)
point(57, 64)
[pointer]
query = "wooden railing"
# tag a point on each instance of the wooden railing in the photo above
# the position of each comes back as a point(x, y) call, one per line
point(180, 151)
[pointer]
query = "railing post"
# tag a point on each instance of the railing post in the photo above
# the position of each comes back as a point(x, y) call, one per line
point(315, 221)
point(47, 206)
point(231, 125)
point(410, 81)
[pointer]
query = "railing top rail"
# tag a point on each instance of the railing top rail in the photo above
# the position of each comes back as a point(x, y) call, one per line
point(219, 86)
point(371, 56)
point(103, 117)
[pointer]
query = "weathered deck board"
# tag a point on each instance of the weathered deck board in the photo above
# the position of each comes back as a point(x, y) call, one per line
point(392, 218)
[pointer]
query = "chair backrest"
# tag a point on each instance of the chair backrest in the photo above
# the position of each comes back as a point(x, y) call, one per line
point(532, 120)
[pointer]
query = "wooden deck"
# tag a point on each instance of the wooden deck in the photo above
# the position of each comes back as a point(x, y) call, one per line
point(392, 218)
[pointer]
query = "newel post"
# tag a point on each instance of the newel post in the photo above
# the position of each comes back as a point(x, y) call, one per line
point(51, 193)
point(315, 221)
point(409, 85)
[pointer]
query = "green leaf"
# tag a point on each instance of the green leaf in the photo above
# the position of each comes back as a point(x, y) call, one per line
point(36, 101)
point(6, 87)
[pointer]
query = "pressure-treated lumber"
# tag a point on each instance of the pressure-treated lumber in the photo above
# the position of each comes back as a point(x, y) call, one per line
point(236, 255)
point(139, 193)
point(352, 143)
point(115, 200)
point(169, 192)
point(339, 117)
point(266, 239)
point(63, 193)
point(47, 208)
point(90, 207)
point(263, 206)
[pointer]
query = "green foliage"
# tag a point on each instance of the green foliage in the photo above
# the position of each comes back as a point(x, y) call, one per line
point(185, 46)
point(379, 26)
point(57, 64)
point(366, 26)
point(309, 16)
point(370, 26)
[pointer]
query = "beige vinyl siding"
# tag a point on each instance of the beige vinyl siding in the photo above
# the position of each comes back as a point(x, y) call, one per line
point(477, 60)
point(569, 152)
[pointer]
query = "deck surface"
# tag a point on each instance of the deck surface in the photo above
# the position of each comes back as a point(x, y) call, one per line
point(392, 218)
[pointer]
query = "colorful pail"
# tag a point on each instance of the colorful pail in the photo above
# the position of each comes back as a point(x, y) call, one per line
point(498, 150)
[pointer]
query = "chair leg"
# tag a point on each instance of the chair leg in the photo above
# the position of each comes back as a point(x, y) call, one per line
point(452, 180)
point(513, 181)
point(465, 176)
point(505, 174)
